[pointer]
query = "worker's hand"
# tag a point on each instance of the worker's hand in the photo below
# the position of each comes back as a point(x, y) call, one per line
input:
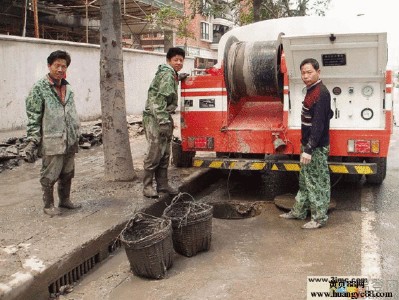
point(31, 152)
point(182, 76)
point(164, 130)
point(305, 158)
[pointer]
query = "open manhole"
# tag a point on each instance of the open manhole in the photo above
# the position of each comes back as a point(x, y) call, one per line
point(286, 202)
point(234, 209)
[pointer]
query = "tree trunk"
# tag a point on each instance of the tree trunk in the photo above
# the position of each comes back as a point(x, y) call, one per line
point(118, 161)
point(256, 10)
point(168, 40)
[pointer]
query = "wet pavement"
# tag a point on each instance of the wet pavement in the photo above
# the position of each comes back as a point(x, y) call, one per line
point(263, 257)
point(37, 252)
point(266, 257)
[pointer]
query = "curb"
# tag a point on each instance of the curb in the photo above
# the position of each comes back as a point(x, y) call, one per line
point(73, 266)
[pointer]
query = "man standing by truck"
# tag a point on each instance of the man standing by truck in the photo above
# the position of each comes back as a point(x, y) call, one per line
point(53, 130)
point(314, 177)
point(158, 123)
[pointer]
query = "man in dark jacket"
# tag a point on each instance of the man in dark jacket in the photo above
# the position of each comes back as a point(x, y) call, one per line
point(314, 177)
point(53, 130)
point(158, 123)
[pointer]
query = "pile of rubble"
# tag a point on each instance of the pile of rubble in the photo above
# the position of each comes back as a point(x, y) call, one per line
point(12, 149)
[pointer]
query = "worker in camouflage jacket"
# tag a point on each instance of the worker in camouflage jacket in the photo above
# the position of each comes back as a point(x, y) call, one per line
point(158, 123)
point(53, 132)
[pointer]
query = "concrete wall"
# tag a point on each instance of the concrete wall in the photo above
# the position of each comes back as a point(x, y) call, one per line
point(24, 60)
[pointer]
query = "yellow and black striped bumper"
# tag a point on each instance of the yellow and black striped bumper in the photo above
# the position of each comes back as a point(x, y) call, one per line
point(283, 166)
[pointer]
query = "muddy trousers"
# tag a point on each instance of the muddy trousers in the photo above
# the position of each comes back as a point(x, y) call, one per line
point(59, 168)
point(314, 188)
point(156, 161)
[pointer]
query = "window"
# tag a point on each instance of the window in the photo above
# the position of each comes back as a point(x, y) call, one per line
point(205, 31)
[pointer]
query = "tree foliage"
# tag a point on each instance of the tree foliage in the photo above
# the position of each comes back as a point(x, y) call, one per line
point(249, 11)
point(246, 11)
point(257, 10)
point(167, 18)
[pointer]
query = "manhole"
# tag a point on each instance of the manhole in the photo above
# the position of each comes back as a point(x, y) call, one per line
point(236, 209)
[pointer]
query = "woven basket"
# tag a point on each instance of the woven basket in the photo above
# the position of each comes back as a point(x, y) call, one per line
point(148, 245)
point(192, 225)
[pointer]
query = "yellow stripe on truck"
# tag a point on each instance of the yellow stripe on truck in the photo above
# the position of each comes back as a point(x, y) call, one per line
point(292, 167)
point(198, 163)
point(216, 164)
point(257, 166)
point(339, 169)
point(284, 166)
point(363, 170)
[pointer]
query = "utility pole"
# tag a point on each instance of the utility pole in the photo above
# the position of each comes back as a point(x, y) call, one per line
point(36, 18)
point(25, 15)
point(87, 21)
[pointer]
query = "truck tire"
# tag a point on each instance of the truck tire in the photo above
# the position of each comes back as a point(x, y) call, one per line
point(271, 184)
point(378, 178)
point(180, 158)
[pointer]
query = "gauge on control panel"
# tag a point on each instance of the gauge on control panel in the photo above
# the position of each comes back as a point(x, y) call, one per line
point(367, 114)
point(367, 90)
point(337, 90)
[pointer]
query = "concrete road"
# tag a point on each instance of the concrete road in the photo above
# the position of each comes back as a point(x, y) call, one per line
point(266, 257)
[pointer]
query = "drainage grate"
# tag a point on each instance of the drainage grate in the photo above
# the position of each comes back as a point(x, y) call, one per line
point(74, 275)
point(115, 245)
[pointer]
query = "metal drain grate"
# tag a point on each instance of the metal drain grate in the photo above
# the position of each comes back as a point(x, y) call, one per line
point(74, 275)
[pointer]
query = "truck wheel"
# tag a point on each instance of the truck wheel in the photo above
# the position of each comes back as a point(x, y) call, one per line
point(270, 184)
point(180, 158)
point(381, 170)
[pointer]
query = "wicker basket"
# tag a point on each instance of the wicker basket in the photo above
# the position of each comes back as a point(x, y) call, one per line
point(148, 245)
point(192, 225)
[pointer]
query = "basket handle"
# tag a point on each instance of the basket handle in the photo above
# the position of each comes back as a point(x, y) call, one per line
point(178, 197)
point(137, 216)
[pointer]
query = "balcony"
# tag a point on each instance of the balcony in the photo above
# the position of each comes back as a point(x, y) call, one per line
point(78, 17)
point(220, 27)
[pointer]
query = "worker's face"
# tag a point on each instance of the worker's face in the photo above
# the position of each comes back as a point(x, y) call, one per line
point(309, 75)
point(176, 62)
point(58, 69)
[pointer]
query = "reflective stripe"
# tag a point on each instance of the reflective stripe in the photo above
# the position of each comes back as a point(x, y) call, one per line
point(260, 165)
point(203, 90)
point(338, 169)
point(363, 170)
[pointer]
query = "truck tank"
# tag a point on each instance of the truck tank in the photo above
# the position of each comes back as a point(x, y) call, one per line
point(252, 68)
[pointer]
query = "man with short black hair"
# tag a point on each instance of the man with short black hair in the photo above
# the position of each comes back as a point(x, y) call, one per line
point(53, 131)
point(158, 123)
point(314, 177)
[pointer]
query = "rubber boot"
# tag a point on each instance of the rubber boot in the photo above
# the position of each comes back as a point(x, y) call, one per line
point(48, 199)
point(64, 192)
point(161, 176)
point(148, 189)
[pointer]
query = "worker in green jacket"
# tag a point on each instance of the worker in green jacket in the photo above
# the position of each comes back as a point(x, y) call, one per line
point(158, 123)
point(53, 132)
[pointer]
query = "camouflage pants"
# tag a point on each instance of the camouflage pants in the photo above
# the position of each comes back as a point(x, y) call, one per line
point(56, 167)
point(314, 188)
point(158, 152)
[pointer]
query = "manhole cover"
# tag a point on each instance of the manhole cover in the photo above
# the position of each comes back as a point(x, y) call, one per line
point(286, 202)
